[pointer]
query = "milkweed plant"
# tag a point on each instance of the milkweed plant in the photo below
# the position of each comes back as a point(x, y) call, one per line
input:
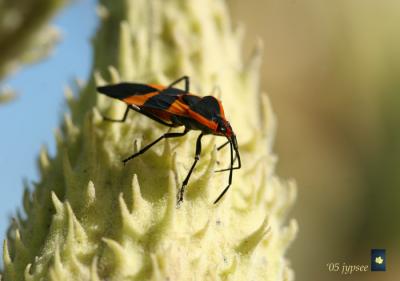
point(92, 218)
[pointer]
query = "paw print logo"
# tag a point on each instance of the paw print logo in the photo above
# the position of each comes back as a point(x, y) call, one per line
point(379, 260)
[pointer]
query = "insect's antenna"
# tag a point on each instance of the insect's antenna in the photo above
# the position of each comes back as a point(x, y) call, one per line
point(216, 91)
point(235, 146)
point(232, 141)
point(230, 176)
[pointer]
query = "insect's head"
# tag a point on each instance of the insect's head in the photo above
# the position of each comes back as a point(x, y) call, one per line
point(223, 128)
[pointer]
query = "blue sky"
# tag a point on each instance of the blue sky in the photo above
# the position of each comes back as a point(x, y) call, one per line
point(28, 122)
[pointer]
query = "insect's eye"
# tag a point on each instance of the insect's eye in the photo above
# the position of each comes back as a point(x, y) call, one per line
point(221, 128)
point(221, 125)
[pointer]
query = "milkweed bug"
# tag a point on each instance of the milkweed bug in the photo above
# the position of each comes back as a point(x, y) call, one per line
point(174, 107)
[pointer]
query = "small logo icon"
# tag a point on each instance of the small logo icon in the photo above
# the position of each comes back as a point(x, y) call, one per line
point(378, 260)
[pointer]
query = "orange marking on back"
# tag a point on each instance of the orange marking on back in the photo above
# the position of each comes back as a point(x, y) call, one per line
point(221, 109)
point(156, 86)
point(139, 100)
point(178, 108)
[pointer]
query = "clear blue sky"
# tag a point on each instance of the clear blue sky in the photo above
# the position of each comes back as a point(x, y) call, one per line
point(29, 122)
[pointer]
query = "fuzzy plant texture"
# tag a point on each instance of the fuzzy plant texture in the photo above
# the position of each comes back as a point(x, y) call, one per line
point(92, 218)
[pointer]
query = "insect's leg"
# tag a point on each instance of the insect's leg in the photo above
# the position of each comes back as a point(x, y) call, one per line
point(187, 83)
point(230, 178)
point(165, 136)
point(196, 158)
point(237, 156)
point(117, 120)
point(233, 168)
point(222, 145)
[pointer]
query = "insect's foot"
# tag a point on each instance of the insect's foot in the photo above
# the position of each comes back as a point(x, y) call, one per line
point(223, 170)
point(179, 197)
point(179, 203)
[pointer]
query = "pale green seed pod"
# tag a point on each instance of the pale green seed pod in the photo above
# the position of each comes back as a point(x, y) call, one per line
point(92, 218)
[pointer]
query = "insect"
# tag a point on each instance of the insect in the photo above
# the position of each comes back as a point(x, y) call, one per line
point(174, 107)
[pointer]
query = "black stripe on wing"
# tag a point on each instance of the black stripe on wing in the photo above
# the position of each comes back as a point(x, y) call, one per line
point(191, 100)
point(173, 92)
point(164, 99)
point(124, 90)
point(160, 101)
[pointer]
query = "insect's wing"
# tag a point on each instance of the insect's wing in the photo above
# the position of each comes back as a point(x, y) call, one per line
point(123, 91)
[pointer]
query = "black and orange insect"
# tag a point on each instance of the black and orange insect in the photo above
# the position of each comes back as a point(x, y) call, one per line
point(174, 107)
